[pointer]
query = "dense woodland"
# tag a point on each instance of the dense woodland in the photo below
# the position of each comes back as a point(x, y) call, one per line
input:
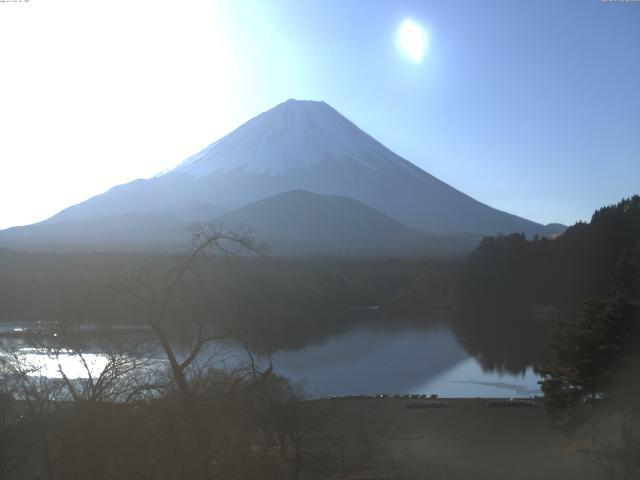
point(511, 270)
point(591, 385)
point(514, 290)
point(291, 300)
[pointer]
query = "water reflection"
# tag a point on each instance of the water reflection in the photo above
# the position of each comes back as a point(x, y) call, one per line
point(404, 359)
point(40, 362)
point(380, 356)
point(504, 339)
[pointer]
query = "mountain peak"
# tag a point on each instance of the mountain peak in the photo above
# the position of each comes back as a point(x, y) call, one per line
point(292, 135)
point(302, 103)
point(294, 107)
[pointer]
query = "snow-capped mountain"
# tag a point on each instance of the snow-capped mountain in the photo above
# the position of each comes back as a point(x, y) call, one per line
point(297, 145)
point(297, 134)
point(309, 145)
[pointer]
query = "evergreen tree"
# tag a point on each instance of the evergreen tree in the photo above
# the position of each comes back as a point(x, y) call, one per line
point(592, 387)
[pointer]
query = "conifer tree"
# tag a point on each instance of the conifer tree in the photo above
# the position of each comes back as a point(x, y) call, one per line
point(593, 386)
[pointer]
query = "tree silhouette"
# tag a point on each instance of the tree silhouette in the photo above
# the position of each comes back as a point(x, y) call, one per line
point(590, 391)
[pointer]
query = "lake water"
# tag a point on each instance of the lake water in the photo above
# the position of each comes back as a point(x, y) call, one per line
point(373, 358)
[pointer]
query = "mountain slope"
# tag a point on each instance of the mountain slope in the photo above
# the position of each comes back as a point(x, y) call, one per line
point(297, 145)
point(300, 221)
point(154, 230)
point(307, 145)
point(292, 223)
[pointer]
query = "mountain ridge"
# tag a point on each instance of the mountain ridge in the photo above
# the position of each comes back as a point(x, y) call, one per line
point(291, 223)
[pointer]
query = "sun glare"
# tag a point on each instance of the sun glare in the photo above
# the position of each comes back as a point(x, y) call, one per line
point(412, 40)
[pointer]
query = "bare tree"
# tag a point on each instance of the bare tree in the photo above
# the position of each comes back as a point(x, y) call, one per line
point(158, 292)
point(123, 373)
point(168, 304)
point(39, 397)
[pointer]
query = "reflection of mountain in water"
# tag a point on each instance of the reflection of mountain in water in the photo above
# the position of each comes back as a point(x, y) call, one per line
point(380, 356)
point(370, 359)
point(517, 389)
point(398, 357)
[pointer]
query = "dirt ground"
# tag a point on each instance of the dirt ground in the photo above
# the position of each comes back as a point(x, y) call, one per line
point(467, 441)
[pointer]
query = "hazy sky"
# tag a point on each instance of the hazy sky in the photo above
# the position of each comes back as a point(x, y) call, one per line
point(531, 106)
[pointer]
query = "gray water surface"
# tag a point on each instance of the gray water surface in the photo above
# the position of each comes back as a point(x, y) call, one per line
point(369, 358)
point(374, 359)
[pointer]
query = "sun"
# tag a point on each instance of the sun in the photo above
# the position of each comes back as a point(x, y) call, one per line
point(412, 40)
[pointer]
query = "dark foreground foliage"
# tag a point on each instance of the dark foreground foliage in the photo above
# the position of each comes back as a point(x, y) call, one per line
point(241, 425)
point(175, 417)
point(591, 389)
point(289, 301)
point(511, 271)
point(514, 289)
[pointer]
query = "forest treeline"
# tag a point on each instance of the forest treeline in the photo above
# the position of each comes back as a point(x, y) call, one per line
point(590, 385)
point(515, 289)
point(512, 270)
point(289, 300)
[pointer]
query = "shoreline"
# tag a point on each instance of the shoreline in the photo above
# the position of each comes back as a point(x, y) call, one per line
point(467, 440)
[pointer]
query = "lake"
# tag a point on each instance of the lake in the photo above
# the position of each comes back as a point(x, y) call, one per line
point(366, 358)
point(383, 358)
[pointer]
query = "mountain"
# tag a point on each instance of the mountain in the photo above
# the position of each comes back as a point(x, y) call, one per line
point(556, 228)
point(291, 223)
point(302, 222)
point(309, 145)
point(297, 145)
point(156, 230)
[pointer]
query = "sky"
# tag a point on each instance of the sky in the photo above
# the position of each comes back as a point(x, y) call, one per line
point(532, 107)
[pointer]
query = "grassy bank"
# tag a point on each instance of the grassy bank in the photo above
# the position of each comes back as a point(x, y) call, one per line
point(467, 441)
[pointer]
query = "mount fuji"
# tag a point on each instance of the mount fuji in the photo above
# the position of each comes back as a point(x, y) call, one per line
point(296, 146)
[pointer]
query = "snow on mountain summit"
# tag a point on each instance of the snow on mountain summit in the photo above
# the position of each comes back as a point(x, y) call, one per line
point(294, 134)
